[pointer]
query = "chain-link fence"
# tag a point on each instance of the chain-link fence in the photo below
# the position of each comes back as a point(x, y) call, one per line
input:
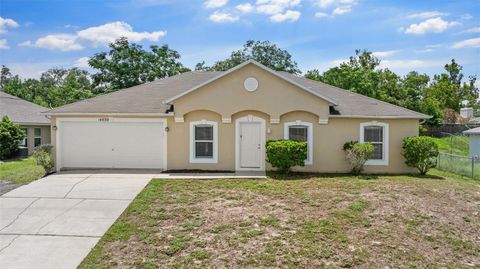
point(460, 165)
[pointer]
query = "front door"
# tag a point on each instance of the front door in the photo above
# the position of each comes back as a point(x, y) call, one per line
point(250, 145)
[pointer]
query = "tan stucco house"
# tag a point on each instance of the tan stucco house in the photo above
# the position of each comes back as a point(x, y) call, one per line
point(30, 118)
point(221, 121)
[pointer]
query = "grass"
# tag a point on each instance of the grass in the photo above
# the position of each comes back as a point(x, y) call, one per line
point(21, 171)
point(311, 222)
point(454, 144)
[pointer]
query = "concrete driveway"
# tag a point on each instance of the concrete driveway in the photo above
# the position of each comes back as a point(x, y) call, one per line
point(54, 222)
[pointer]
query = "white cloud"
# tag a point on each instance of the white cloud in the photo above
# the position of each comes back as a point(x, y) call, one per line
point(7, 23)
point(289, 15)
point(426, 15)
point(107, 33)
point(223, 17)
point(330, 3)
point(342, 10)
point(273, 7)
point(321, 14)
point(472, 30)
point(434, 25)
point(93, 37)
point(215, 3)
point(467, 16)
point(82, 62)
point(63, 42)
point(4, 44)
point(244, 8)
point(383, 54)
point(468, 43)
point(434, 46)
point(424, 50)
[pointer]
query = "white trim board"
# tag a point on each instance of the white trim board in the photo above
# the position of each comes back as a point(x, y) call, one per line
point(271, 71)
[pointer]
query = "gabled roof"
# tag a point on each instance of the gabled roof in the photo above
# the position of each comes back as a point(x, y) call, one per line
point(153, 98)
point(21, 111)
point(271, 71)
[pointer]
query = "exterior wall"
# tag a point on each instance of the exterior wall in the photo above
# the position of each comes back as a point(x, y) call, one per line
point(274, 96)
point(328, 140)
point(31, 135)
point(474, 149)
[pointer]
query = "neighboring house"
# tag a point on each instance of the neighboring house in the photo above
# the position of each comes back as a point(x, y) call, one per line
point(474, 141)
point(30, 118)
point(221, 121)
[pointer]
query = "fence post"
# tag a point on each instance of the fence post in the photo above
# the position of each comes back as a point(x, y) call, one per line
point(473, 167)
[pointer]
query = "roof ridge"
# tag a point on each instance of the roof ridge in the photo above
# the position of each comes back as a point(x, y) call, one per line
point(358, 94)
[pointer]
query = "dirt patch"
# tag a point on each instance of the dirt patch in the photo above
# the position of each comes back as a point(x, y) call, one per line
point(317, 223)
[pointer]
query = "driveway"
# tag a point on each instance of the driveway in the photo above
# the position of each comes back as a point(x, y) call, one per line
point(54, 222)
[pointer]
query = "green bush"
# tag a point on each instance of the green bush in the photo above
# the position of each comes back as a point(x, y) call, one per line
point(284, 154)
point(357, 154)
point(420, 152)
point(10, 136)
point(43, 157)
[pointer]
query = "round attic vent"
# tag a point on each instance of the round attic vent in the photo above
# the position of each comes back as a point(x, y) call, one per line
point(250, 84)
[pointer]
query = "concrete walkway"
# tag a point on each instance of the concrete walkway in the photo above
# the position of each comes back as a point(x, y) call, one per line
point(54, 222)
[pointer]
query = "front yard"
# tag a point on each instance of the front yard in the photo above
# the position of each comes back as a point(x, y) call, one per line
point(340, 221)
point(21, 171)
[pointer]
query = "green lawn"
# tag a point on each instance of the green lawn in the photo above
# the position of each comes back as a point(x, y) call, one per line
point(309, 222)
point(21, 171)
point(457, 145)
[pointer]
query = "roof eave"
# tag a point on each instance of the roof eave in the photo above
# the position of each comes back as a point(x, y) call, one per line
point(420, 117)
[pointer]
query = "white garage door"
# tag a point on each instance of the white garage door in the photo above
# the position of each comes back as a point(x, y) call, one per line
point(113, 144)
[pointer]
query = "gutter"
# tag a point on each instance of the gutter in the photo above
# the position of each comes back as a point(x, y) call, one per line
point(107, 114)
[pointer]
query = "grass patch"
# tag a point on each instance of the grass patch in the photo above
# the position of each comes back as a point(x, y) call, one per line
point(21, 171)
point(454, 144)
point(331, 221)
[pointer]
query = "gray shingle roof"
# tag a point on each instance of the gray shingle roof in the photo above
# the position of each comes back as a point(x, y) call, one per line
point(149, 97)
point(21, 111)
point(472, 131)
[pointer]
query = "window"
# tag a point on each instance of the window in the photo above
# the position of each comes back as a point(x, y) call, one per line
point(376, 133)
point(37, 138)
point(301, 131)
point(24, 142)
point(203, 142)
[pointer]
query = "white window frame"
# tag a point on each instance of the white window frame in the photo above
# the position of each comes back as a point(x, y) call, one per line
point(193, 159)
point(24, 142)
point(309, 125)
point(386, 146)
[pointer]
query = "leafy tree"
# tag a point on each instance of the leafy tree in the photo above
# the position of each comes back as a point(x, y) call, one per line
point(263, 52)
point(5, 75)
point(420, 152)
point(128, 64)
point(10, 136)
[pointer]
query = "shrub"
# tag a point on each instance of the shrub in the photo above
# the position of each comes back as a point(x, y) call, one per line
point(10, 136)
point(420, 152)
point(43, 157)
point(357, 154)
point(284, 154)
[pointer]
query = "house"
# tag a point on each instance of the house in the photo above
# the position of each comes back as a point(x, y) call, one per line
point(221, 121)
point(474, 141)
point(30, 118)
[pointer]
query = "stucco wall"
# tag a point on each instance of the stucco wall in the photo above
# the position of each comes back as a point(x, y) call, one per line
point(274, 96)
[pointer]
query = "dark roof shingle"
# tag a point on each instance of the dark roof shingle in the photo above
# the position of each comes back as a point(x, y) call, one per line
point(21, 111)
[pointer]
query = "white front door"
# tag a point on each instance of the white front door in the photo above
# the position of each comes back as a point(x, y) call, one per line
point(250, 143)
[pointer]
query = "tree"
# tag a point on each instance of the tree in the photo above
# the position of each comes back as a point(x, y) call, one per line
point(10, 136)
point(5, 75)
point(128, 64)
point(263, 52)
point(420, 152)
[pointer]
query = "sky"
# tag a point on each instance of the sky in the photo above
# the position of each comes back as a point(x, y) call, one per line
point(404, 35)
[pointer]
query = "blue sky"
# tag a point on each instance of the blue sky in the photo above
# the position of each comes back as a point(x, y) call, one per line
point(405, 35)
